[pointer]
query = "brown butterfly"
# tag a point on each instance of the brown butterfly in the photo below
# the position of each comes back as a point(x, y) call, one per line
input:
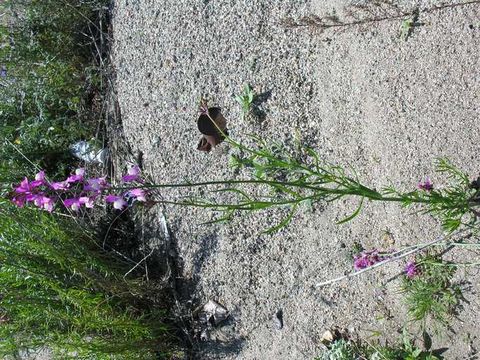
point(213, 126)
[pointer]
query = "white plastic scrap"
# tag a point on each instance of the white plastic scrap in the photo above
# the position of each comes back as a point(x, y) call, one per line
point(83, 150)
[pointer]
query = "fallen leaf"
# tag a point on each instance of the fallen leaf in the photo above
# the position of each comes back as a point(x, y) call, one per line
point(213, 125)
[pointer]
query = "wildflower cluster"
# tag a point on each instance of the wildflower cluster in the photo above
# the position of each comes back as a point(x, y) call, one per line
point(366, 259)
point(412, 269)
point(369, 258)
point(77, 191)
point(427, 185)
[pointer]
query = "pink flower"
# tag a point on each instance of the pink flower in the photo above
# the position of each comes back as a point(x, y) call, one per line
point(96, 184)
point(24, 187)
point(366, 259)
point(27, 191)
point(138, 194)
point(427, 185)
point(87, 201)
point(411, 269)
point(41, 201)
point(76, 203)
point(44, 202)
point(39, 179)
point(78, 176)
point(133, 174)
point(118, 201)
point(48, 204)
point(19, 200)
point(38, 200)
point(40, 176)
point(62, 185)
point(72, 203)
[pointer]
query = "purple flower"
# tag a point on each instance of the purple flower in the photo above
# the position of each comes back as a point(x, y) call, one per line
point(3, 71)
point(87, 201)
point(28, 191)
point(19, 200)
point(133, 174)
point(72, 203)
point(43, 202)
point(76, 203)
point(138, 194)
point(24, 187)
point(39, 180)
point(40, 176)
point(78, 176)
point(48, 204)
point(366, 259)
point(96, 184)
point(427, 185)
point(118, 201)
point(62, 185)
point(411, 269)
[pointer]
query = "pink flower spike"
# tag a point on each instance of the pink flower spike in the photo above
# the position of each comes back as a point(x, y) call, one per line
point(138, 194)
point(63, 185)
point(366, 259)
point(133, 174)
point(118, 202)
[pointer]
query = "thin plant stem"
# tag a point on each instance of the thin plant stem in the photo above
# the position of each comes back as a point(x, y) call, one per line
point(309, 21)
point(384, 262)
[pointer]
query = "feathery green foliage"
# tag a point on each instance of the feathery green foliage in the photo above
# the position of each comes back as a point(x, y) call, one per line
point(432, 294)
point(291, 179)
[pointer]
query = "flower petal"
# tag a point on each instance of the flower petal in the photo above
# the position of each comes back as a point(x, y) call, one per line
point(119, 204)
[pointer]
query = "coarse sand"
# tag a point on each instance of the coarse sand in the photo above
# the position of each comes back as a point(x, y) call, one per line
point(362, 97)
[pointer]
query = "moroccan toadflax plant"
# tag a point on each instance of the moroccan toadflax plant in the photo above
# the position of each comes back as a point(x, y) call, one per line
point(286, 180)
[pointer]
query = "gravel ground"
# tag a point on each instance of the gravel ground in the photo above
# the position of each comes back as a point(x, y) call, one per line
point(362, 97)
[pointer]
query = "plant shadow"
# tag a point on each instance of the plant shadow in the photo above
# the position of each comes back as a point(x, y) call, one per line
point(258, 105)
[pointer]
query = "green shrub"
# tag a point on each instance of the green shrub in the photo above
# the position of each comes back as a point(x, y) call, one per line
point(48, 62)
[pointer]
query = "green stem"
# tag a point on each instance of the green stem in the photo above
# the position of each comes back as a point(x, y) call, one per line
point(451, 264)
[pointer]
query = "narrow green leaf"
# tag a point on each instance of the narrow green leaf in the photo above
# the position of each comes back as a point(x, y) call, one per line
point(284, 222)
point(347, 219)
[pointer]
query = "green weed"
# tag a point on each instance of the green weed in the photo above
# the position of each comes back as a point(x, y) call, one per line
point(342, 349)
point(406, 28)
point(431, 294)
point(245, 99)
